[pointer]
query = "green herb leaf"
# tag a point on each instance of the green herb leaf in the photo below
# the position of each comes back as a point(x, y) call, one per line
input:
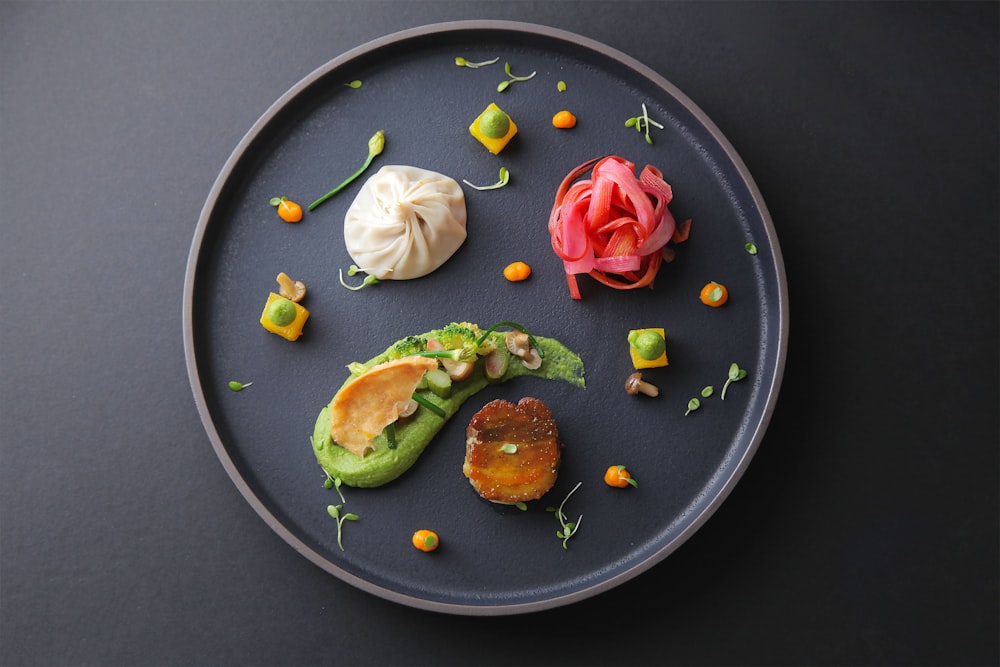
point(707, 391)
point(238, 386)
point(561, 86)
point(354, 84)
point(751, 248)
point(502, 86)
point(509, 448)
point(693, 404)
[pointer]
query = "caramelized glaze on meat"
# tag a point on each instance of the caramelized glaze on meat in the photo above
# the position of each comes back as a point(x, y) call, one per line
point(527, 473)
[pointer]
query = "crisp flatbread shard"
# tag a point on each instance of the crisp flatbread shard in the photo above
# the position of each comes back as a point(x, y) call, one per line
point(373, 400)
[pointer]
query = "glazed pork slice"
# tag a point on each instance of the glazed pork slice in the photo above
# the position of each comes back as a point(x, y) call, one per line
point(512, 452)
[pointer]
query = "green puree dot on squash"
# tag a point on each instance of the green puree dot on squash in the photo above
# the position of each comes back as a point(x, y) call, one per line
point(281, 312)
point(494, 123)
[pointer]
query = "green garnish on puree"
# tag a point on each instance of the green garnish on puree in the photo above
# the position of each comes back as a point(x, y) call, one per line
point(414, 433)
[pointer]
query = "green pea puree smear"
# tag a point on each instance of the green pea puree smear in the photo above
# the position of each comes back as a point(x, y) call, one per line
point(414, 433)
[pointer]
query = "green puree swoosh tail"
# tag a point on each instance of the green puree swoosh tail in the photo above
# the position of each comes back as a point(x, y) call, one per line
point(416, 432)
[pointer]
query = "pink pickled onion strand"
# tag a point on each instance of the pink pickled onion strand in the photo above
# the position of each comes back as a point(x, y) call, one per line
point(587, 213)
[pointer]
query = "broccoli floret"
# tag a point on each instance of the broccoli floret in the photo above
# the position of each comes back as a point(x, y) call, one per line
point(456, 335)
point(406, 347)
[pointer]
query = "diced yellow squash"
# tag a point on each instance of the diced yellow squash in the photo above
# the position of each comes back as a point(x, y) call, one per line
point(492, 145)
point(290, 331)
point(637, 361)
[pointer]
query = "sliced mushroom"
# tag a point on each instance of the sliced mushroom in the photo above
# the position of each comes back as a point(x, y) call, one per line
point(533, 360)
point(636, 385)
point(519, 344)
point(293, 290)
point(410, 407)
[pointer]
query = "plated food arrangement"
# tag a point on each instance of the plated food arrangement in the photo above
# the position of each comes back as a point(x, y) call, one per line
point(513, 356)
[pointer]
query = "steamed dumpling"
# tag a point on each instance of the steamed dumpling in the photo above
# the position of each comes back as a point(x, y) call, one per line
point(405, 222)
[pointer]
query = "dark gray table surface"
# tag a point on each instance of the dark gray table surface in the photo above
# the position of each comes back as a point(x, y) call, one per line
point(865, 530)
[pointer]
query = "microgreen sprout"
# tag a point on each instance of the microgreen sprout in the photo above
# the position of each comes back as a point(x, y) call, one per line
point(707, 391)
point(375, 147)
point(735, 375)
point(335, 512)
point(643, 122)
point(334, 483)
point(561, 86)
point(509, 448)
point(504, 85)
point(239, 386)
point(569, 528)
point(693, 404)
point(751, 248)
point(354, 84)
point(504, 179)
point(353, 270)
point(462, 62)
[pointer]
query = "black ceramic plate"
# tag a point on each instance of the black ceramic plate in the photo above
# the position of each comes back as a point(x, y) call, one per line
point(493, 559)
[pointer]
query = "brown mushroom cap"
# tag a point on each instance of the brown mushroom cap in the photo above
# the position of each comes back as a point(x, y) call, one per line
point(293, 290)
point(634, 384)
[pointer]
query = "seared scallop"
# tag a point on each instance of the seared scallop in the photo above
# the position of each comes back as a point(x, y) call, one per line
point(512, 452)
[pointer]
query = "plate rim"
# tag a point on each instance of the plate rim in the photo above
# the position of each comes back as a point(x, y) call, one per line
point(772, 383)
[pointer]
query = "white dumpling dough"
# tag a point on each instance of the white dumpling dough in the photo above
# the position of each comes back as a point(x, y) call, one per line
point(405, 222)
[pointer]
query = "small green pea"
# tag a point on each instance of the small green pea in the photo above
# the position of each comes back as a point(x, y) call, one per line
point(494, 124)
point(648, 344)
point(281, 312)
